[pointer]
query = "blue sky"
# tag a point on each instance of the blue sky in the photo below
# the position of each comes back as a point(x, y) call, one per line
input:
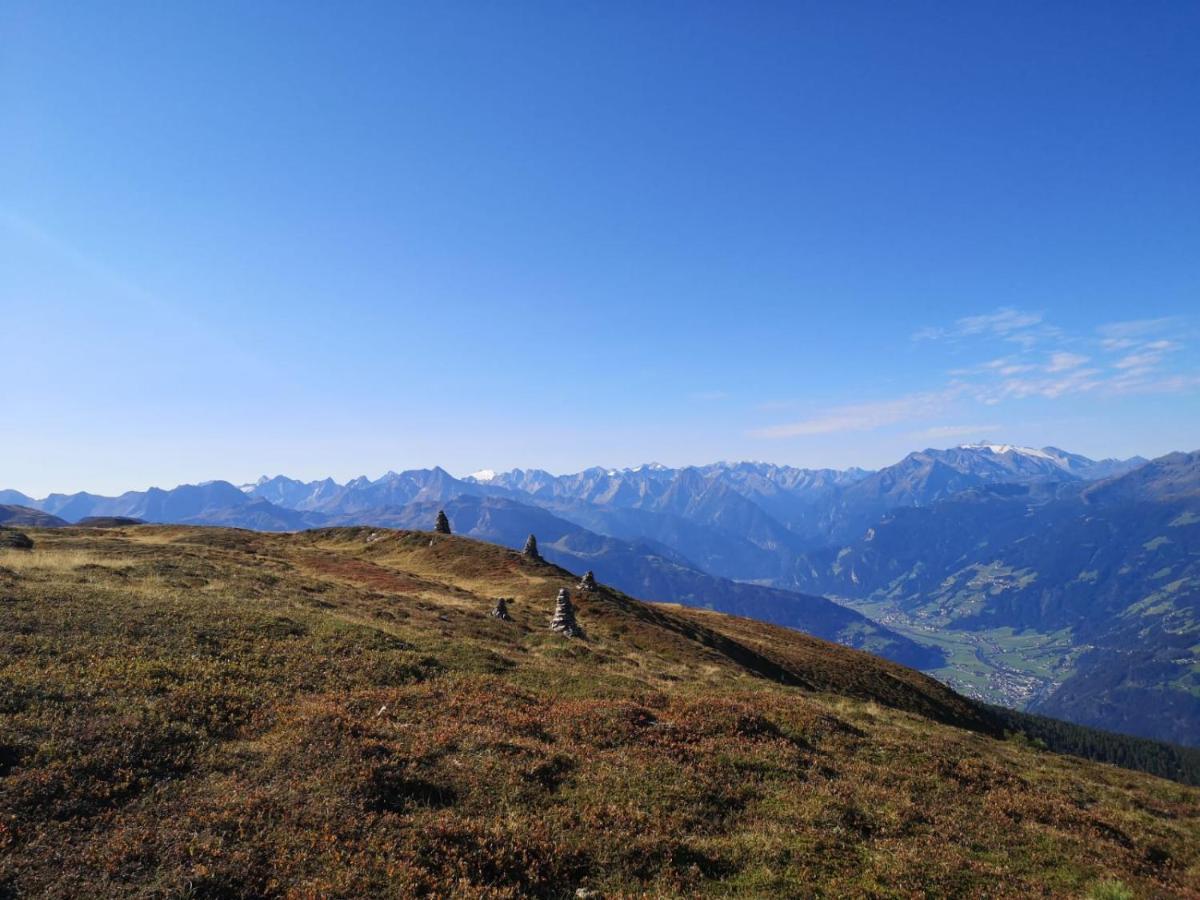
point(345, 238)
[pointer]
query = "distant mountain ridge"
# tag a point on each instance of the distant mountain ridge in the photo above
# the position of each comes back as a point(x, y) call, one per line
point(1040, 549)
point(711, 494)
point(1115, 564)
point(293, 494)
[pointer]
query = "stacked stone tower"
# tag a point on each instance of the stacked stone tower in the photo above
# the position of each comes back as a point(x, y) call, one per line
point(531, 548)
point(564, 616)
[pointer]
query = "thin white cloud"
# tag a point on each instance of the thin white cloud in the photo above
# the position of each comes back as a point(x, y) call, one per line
point(864, 416)
point(1135, 328)
point(1116, 359)
point(1075, 382)
point(1003, 322)
point(1147, 382)
point(1146, 355)
point(1140, 361)
point(1064, 360)
point(1016, 369)
point(1031, 337)
point(1114, 344)
point(939, 432)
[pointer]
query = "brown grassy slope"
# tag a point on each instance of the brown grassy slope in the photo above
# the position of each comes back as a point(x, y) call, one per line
point(216, 712)
point(670, 632)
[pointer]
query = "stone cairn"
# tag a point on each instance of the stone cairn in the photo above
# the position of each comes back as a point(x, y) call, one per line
point(564, 616)
point(588, 581)
point(531, 550)
point(12, 539)
point(442, 525)
point(500, 610)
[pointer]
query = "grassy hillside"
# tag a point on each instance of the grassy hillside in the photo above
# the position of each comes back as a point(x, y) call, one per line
point(205, 712)
point(648, 570)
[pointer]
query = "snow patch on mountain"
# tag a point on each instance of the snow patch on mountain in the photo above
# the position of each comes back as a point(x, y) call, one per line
point(1011, 448)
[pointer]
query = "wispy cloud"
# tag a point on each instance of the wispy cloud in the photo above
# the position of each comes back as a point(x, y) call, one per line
point(1137, 328)
point(1123, 358)
point(864, 416)
point(1004, 322)
point(1117, 336)
point(939, 432)
point(1057, 385)
point(1139, 361)
point(1024, 357)
point(1146, 355)
point(1171, 384)
point(1064, 360)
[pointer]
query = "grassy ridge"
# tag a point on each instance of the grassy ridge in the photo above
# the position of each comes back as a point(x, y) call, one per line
point(211, 713)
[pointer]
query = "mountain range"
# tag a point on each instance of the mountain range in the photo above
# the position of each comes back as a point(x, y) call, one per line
point(1036, 578)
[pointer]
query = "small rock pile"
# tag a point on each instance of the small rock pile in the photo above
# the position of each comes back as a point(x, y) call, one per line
point(442, 525)
point(564, 616)
point(588, 581)
point(531, 549)
point(500, 610)
point(14, 540)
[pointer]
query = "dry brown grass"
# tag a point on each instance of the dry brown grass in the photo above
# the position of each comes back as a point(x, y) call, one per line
point(55, 560)
point(206, 712)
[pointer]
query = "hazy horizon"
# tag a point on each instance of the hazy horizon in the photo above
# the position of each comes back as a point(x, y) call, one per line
point(374, 476)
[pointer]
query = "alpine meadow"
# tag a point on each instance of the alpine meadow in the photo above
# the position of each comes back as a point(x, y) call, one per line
point(599, 451)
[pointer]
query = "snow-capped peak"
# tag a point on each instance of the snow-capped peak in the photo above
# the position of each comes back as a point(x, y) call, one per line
point(250, 486)
point(1009, 448)
point(650, 467)
point(483, 475)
